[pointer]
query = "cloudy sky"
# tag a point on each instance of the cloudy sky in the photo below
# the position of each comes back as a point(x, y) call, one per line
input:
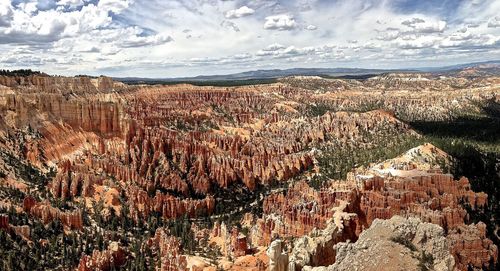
point(170, 38)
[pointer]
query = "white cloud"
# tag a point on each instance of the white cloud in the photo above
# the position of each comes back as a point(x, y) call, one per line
point(422, 26)
point(150, 38)
point(28, 7)
point(280, 22)
point(240, 12)
point(29, 27)
point(438, 26)
point(311, 27)
point(413, 22)
point(115, 6)
point(418, 43)
point(389, 35)
point(71, 3)
point(6, 13)
point(494, 22)
point(274, 47)
point(140, 41)
point(230, 25)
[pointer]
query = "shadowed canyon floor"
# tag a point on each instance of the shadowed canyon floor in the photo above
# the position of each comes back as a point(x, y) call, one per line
point(307, 173)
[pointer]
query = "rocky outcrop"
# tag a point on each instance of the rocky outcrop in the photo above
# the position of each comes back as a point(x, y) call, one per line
point(343, 210)
point(168, 249)
point(99, 115)
point(302, 209)
point(219, 158)
point(73, 180)
point(435, 197)
point(232, 242)
point(28, 203)
point(413, 184)
point(317, 248)
point(4, 221)
point(412, 97)
point(53, 84)
point(55, 127)
point(22, 231)
point(47, 213)
point(205, 166)
point(278, 260)
point(170, 207)
point(471, 247)
point(239, 243)
point(396, 244)
point(106, 260)
point(105, 83)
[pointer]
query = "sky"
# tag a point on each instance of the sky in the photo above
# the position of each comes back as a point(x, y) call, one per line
point(175, 38)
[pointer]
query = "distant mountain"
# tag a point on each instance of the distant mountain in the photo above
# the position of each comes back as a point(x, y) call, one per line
point(483, 68)
point(267, 74)
point(459, 67)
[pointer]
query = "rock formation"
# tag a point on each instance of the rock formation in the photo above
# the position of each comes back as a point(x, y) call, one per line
point(231, 242)
point(170, 152)
point(168, 248)
point(396, 244)
point(110, 259)
point(49, 84)
point(46, 213)
point(343, 210)
point(22, 231)
point(4, 221)
point(278, 260)
point(470, 245)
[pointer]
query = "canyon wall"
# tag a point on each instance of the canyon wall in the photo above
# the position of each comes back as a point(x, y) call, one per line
point(343, 210)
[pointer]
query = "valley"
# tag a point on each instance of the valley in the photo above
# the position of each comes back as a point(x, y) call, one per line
point(299, 173)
